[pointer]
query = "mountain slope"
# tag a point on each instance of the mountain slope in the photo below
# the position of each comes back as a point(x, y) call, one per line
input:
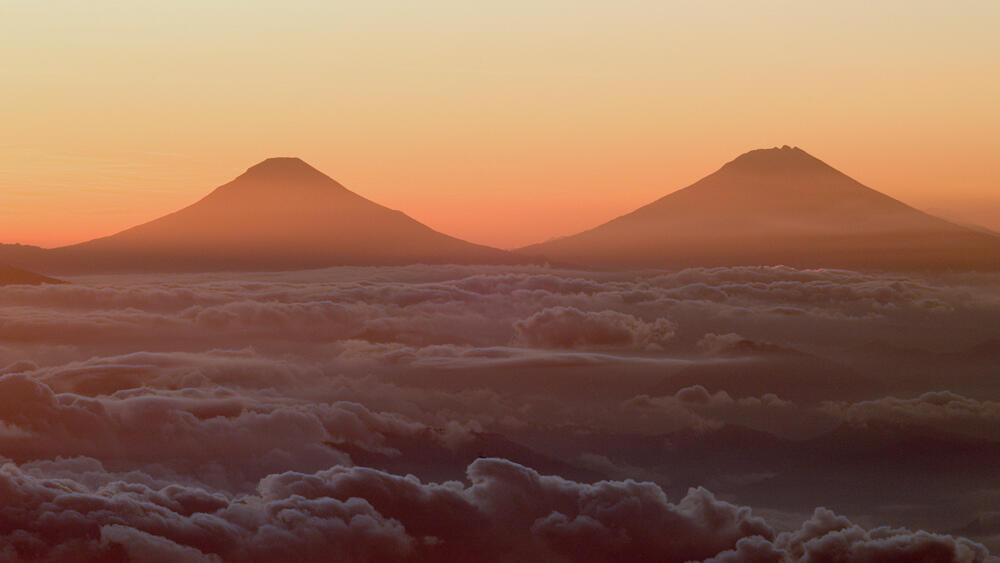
point(772, 206)
point(14, 276)
point(280, 214)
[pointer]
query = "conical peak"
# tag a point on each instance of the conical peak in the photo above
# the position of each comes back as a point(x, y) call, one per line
point(778, 160)
point(282, 174)
point(281, 167)
point(278, 179)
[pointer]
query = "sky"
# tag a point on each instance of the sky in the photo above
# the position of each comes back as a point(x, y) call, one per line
point(501, 123)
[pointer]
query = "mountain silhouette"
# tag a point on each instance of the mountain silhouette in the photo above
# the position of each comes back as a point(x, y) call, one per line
point(10, 275)
point(777, 206)
point(280, 214)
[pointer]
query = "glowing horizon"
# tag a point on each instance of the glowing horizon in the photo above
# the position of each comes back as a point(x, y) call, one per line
point(269, 333)
point(506, 125)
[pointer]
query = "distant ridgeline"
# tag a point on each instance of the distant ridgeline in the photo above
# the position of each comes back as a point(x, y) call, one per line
point(280, 214)
point(778, 206)
point(15, 276)
point(768, 206)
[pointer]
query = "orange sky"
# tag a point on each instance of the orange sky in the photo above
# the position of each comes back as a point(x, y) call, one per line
point(503, 123)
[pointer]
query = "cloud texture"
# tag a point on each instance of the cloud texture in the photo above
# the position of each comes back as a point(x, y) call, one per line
point(459, 413)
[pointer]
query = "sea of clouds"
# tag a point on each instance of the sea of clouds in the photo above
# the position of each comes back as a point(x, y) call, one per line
point(454, 413)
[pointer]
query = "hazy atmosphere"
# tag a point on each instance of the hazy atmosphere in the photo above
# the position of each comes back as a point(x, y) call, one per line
point(502, 123)
point(546, 281)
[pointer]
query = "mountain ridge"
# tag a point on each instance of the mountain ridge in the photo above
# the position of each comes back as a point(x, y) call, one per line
point(766, 206)
point(777, 206)
point(10, 275)
point(280, 214)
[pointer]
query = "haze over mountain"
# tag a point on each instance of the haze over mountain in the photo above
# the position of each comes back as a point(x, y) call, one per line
point(777, 206)
point(280, 214)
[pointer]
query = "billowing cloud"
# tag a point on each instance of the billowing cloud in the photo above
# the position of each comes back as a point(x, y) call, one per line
point(220, 435)
point(829, 537)
point(943, 410)
point(478, 413)
point(569, 327)
point(504, 511)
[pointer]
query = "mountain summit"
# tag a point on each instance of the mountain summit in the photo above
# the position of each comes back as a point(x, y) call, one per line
point(777, 206)
point(280, 214)
point(284, 173)
point(785, 158)
point(282, 167)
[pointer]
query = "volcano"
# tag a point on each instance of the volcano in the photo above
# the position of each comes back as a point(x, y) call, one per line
point(777, 206)
point(281, 214)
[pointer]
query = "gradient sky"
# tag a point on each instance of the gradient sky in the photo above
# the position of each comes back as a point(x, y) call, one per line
point(503, 123)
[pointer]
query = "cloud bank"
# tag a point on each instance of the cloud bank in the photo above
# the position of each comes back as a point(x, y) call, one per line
point(474, 413)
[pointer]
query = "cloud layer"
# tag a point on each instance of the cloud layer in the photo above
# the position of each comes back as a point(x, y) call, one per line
point(460, 413)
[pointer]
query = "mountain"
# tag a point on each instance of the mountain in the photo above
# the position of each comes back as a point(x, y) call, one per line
point(959, 220)
point(777, 206)
point(13, 276)
point(280, 214)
